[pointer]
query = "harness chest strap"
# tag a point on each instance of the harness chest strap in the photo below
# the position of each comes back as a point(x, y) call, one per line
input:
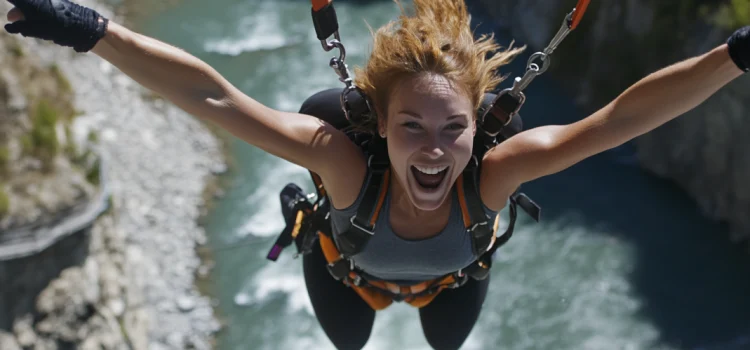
point(378, 294)
point(381, 294)
point(354, 240)
point(475, 220)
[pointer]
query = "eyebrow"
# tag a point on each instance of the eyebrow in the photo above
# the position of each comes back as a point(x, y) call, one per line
point(416, 115)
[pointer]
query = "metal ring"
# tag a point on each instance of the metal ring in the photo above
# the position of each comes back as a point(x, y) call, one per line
point(546, 60)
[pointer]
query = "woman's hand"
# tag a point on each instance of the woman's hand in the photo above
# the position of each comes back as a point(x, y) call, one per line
point(739, 48)
point(60, 21)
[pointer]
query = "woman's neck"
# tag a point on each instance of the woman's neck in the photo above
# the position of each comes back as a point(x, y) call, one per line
point(401, 202)
point(409, 222)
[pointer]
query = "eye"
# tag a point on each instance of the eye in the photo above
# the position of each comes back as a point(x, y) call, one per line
point(412, 125)
point(455, 127)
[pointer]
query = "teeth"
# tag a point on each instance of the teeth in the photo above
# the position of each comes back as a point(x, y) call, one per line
point(431, 170)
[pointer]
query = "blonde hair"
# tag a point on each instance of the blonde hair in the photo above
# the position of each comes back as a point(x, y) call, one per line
point(437, 39)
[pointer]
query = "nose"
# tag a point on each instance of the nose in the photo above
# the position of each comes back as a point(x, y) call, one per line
point(432, 148)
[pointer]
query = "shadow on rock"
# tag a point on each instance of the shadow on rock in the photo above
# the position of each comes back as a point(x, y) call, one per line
point(23, 279)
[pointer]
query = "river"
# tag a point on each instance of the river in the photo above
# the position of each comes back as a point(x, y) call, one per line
point(621, 259)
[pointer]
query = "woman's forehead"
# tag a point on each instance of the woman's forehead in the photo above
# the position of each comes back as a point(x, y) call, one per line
point(430, 94)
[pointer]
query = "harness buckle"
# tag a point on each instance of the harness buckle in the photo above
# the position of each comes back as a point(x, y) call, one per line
point(340, 268)
point(370, 231)
point(476, 225)
point(500, 112)
point(357, 280)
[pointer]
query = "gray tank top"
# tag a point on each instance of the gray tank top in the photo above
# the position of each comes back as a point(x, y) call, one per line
point(390, 257)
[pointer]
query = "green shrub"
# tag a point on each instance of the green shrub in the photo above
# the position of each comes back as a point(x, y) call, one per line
point(4, 201)
point(43, 132)
point(27, 145)
point(92, 174)
point(4, 158)
point(62, 80)
point(93, 137)
point(731, 15)
point(15, 49)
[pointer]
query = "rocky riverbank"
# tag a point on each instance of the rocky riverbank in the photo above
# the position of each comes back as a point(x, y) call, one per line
point(617, 43)
point(128, 282)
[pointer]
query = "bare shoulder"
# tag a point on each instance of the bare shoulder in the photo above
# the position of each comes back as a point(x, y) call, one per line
point(506, 166)
point(341, 164)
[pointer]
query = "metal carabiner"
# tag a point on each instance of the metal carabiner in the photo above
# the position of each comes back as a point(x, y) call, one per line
point(533, 69)
point(339, 64)
point(330, 45)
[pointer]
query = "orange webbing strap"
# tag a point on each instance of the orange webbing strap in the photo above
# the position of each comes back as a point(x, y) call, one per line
point(462, 201)
point(377, 301)
point(494, 229)
point(318, 184)
point(578, 14)
point(412, 292)
point(381, 197)
point(319, 4)
point(492, 243)
point(465, 210)
point(298, 223)
point(329, 249)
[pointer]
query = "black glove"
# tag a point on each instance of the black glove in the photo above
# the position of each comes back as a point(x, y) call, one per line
point(739, 48)
point(60, 21)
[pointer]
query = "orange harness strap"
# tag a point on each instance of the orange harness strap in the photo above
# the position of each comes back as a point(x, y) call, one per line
point(465, 209)
point(377, 301)
point(376, 293)
point(580, 9)
point(319, 4)
point(318, 184)
point(373, 292)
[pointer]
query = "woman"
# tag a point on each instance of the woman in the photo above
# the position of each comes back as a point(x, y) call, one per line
point(426, 78)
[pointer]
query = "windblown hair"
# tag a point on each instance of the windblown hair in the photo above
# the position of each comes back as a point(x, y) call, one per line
point(437, 39)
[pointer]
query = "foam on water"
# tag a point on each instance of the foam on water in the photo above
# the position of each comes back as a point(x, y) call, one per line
point(282, 277)
point(261, 31)
point(267, 220)
point(585, 296)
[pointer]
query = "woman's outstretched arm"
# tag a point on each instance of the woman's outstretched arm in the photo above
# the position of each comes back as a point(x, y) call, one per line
point(200, 90)
point(644, 106)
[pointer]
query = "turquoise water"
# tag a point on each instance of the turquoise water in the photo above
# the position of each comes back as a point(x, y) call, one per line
point(622, 260)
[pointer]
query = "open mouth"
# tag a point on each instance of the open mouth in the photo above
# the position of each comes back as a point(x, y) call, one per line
point(429, 177)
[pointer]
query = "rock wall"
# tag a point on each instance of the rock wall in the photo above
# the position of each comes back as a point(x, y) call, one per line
point(79, 293)
point(128, 281)
point(619, 42)
point(17, 297)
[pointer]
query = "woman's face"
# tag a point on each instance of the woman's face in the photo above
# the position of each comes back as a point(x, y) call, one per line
point(430, 132)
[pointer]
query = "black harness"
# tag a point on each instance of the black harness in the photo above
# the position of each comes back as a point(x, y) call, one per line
point(497, 121)
point(494, 118)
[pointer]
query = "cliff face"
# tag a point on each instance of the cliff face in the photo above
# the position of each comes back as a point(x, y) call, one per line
point(60, 287)
point(619, 42)
point(125, 280)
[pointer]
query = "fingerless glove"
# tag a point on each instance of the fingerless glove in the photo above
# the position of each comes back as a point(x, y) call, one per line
point(60, 21)
point(739, 48)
